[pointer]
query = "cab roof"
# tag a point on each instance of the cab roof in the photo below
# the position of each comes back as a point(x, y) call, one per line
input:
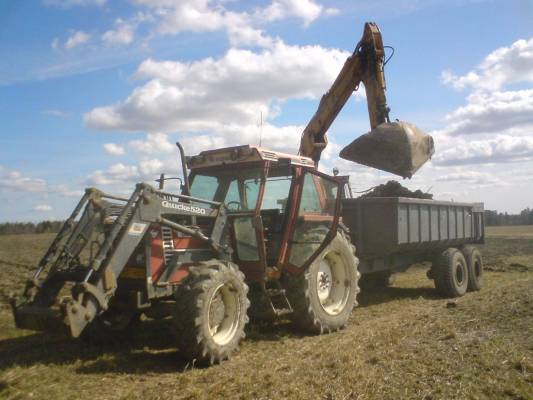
point(244, 154)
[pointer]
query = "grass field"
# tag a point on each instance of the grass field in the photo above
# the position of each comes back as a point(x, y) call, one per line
point(402, 342)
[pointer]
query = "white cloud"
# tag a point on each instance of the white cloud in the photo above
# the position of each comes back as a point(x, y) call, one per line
point(332, 11)
point(189, 15)
point(243, 28)
point(15, 181)
point(307, 10)
point(42, 208)
point(501, 149)
point(155, 143)
point(285, 138)
point(151, 168)
point(66, 191)
point(485, 149)
point(114, 149)
point(494, 112)
point(470, 177)
point(202, 16)
point(122, 34)
point(76, 39)
point(123, 177)
point(116, 174)
point(217, 95)
point(503, 66)
point(498, 123)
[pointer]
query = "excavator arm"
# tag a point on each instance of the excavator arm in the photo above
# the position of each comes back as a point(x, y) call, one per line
point(397, 147)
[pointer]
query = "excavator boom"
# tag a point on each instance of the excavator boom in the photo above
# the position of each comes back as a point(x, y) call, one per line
point(398, 147)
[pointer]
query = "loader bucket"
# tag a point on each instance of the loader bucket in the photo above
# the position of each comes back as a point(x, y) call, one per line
point(396, 147)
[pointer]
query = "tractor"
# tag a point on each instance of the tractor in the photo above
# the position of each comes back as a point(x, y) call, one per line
point(252, 233)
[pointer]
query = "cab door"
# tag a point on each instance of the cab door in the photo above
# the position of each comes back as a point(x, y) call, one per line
point(247, 227)
point(314, 219)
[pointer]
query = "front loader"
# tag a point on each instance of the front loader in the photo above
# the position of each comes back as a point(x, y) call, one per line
point(107, 238)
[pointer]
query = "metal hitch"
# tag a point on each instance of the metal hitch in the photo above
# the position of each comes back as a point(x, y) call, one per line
point(396, 147)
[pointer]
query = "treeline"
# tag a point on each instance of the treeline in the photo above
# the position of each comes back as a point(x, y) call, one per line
point(9, 228)
point(494, 218)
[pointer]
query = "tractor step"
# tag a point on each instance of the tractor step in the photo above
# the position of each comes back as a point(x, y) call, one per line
point(283, 311)
point(278, 300)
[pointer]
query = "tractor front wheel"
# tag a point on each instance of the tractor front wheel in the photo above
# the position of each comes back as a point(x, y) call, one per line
point(211, 312)
point(324, 296)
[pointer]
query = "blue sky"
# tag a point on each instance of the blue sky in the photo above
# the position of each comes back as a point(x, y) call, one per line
point(94, 92)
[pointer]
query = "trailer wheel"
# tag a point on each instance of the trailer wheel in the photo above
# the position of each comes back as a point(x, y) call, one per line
point(324, 296)
point(451, 273)
point(474, 261)
point(210, 313)
point(110, 327)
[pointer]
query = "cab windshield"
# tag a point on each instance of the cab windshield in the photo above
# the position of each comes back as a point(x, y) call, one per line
point(238, 189)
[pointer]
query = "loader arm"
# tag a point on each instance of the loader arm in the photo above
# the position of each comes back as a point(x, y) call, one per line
point(364, 65)
point(93, 281)
point(399, 147)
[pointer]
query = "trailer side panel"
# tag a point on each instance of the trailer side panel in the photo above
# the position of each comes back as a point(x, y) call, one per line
point(386, 226)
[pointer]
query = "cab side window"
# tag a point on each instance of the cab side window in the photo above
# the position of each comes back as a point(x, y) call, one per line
point(276, 193)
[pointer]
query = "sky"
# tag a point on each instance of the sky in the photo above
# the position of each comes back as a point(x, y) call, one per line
point(96, 92)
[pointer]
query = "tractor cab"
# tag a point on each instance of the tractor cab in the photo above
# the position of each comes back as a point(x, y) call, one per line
point(281, 210)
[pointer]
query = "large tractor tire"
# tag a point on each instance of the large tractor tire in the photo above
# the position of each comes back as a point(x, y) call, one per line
point(450, 272)
point(474, 261)
point(211, 312)
point(112, 326)
point(324, 296)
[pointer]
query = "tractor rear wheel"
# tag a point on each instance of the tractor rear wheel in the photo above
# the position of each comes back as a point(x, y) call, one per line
point(211, 312)
point(474, 261)
point(450, 272)
point(324, 296)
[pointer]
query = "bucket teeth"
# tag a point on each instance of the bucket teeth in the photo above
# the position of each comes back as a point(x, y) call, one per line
point(396, 147)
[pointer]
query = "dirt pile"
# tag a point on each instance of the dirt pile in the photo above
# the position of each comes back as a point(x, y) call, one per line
point(395, 189)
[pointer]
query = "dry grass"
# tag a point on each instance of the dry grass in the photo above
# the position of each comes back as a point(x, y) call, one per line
point(403, 342)
point(515, 231)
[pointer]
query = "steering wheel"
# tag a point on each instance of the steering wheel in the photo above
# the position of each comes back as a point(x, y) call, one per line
point(239, 206)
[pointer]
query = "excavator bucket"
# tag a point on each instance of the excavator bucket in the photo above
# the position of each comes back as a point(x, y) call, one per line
point(396, 147)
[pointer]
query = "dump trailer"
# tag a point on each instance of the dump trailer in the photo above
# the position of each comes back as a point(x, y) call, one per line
point(393, 233)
